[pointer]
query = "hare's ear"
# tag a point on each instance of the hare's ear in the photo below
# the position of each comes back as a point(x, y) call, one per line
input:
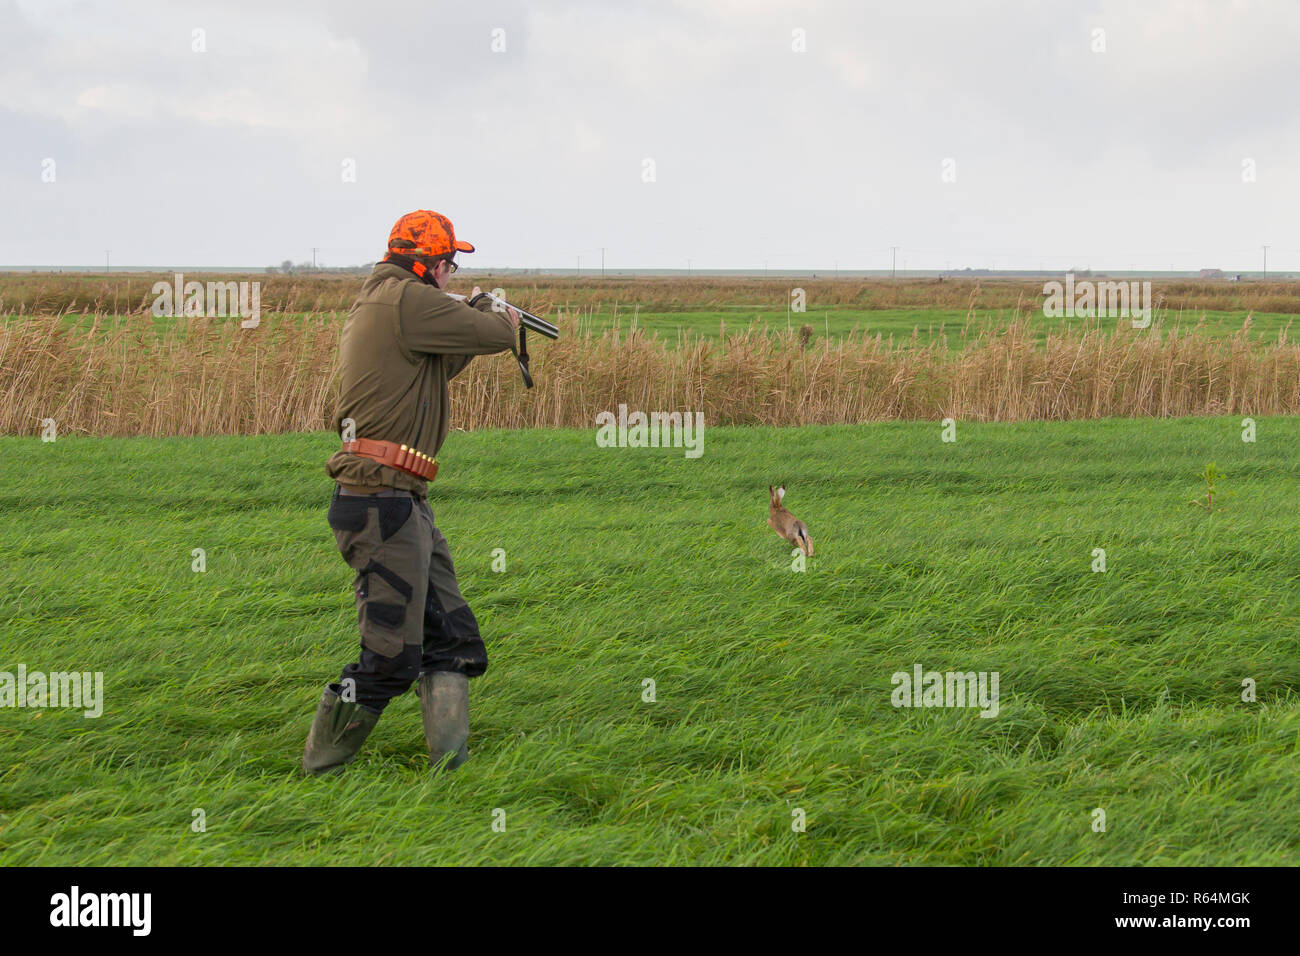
point(780, 493)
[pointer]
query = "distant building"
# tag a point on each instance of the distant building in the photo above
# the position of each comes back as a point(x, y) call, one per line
point(1211, 273)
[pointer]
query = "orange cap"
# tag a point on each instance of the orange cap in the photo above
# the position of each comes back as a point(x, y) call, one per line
point(425, 233)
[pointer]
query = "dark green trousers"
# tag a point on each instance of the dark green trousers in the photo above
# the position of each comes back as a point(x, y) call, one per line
point(410, 611)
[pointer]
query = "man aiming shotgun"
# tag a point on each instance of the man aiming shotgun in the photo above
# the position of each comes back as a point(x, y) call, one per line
point(404, 340)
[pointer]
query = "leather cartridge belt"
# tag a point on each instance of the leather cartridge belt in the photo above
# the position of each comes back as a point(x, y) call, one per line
point(394, 456)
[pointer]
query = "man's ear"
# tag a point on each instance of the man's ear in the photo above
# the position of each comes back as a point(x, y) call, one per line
point(432, 266)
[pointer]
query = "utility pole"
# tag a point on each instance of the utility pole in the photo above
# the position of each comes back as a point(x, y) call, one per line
point(579, 272)
point(107, 251)
point(1266, 262)
point(602, 262)
point(314, 250)
point(893, 263)
point(688, 267)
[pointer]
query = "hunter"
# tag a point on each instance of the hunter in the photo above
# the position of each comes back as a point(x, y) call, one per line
point(404, 340)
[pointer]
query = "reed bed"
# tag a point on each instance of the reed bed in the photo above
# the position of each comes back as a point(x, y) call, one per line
point(132, 292)
point(120, 376)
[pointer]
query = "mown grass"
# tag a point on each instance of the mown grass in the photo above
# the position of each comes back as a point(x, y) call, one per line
point(920, 325)
point(1119, 690)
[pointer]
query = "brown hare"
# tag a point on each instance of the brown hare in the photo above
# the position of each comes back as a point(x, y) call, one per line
point(786, 524)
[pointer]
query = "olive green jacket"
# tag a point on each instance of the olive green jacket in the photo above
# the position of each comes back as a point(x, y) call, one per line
point(404, 340)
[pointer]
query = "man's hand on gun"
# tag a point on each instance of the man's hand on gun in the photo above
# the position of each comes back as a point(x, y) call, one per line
point(520, 319)
point(511, 313)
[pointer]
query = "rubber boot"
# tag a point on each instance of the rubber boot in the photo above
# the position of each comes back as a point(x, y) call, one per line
point(444, 704)
point(337, 733)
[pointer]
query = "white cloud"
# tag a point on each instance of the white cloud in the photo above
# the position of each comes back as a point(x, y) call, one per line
point(761, 152)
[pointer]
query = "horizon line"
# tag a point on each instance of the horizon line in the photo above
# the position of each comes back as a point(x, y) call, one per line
point(466, 271)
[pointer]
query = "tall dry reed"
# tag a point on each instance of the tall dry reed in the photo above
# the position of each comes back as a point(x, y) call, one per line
point(122, 375)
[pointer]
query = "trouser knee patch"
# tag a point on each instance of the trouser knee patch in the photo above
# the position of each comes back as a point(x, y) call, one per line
point(384, 604)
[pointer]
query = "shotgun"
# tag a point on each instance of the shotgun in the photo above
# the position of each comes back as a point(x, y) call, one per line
point(526, 321)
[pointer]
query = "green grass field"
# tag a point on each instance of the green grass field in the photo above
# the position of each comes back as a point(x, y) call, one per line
point(1120, 690)
point(928, 324)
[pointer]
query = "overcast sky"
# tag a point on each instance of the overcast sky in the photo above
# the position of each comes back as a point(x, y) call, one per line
point(804, 135)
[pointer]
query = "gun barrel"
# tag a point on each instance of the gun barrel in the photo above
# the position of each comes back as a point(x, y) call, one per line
point(538, 325)
point(526, 318)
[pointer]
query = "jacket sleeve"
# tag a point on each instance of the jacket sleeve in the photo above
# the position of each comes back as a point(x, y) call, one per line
point(455, 364)
point(433, 322)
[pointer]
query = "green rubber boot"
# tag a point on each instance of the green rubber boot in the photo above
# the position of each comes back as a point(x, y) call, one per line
point(337, 733)
point(444, 705)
